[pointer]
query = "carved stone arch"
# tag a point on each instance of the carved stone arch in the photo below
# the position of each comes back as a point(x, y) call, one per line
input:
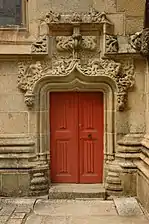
point(121, 73)
point(74, 82)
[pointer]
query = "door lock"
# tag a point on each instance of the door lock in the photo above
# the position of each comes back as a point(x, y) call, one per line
point(90, 136)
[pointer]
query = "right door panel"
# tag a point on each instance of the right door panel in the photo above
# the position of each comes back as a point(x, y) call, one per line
point(91, 137)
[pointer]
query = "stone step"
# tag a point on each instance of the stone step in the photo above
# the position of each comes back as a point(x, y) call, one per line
point(76, 191)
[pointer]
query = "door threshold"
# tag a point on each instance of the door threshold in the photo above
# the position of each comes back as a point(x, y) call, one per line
point(75, 191)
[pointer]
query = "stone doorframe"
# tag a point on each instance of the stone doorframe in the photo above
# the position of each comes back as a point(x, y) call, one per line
point(74, 82)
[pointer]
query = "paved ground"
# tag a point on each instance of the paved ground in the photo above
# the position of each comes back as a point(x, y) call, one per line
point(79, 211)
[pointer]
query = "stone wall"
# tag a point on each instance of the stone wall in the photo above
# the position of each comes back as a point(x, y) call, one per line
point(29, 159)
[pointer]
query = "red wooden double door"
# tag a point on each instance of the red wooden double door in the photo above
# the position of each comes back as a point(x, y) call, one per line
point(76, 137)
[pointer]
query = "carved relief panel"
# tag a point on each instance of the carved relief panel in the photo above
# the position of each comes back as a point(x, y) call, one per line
point(75, 50)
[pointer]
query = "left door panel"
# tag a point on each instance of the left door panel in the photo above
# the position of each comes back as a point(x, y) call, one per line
point(63, 137)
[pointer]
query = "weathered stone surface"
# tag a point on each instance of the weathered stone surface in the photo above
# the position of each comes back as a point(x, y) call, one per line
point(13, 122)
point(67, 191)
point(133, 25)
point(121, 18)
point(18, 215)
point(127, 206)
point(14, 221)
point(74, 207)
point(128, 7)
point(3, 219)
point(7, 210)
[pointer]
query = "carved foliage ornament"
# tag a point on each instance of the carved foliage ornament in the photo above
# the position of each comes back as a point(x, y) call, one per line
point(40, 46)
point(121, 73)
point(140, 41)
point(65, 43)
point(91, 17)
point(111, 44)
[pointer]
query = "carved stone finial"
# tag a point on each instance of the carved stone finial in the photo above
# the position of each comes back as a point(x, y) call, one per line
point(52, 17)
point(76, 17)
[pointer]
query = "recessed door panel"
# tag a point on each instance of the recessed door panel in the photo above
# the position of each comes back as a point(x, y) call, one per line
point(64, 139)
point(91, 137)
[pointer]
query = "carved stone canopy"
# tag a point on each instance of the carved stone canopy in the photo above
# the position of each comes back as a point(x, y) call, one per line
point(32, 73)
point(73, 25)
point(72, 50)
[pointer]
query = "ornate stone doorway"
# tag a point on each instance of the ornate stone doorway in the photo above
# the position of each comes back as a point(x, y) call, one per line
point(70, 60)
point(76, 82)
point(76, 137)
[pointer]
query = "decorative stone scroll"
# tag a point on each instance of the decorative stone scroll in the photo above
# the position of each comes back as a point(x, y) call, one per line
point(92, 16)
point(40, 46)
point(65, 43)
point(111, 44)
point(121, 73)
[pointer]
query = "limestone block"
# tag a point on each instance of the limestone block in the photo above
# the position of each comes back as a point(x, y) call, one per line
point(143, 190)
point(42, 7)
point(132, 8)
point(12, 102)
point(128, 206)
point(71, 6)
point(8, 83)
point(23, 183)
point(129, 183)
point(13, 122)
point(8, 67)
point(119, 23)
point(137, 122)
point(33, 125)
point(15, 184)
point(140, 73)
point(122, 123)
point(9, 184)
point(105, 5)
point(136, 101)
point(134, 24)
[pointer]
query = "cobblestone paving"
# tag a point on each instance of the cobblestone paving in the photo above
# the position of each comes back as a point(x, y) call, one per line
point(79, 211)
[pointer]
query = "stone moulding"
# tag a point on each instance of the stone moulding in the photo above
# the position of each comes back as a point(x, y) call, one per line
point(92, 16)
point(30, 74)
